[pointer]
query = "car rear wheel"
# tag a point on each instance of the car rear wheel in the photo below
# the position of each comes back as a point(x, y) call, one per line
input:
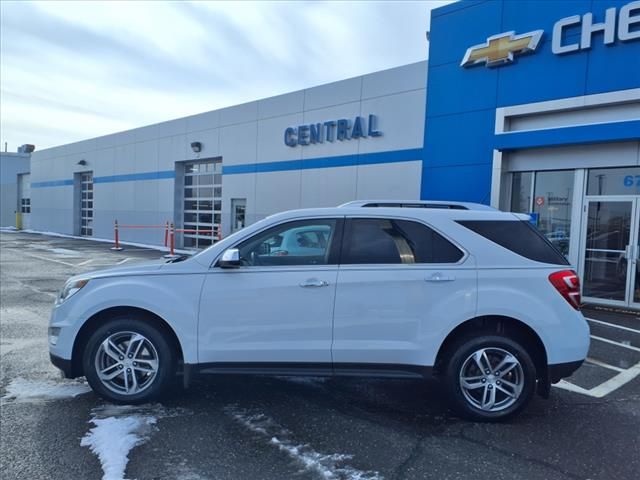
point(489, 377)
point(128, 360)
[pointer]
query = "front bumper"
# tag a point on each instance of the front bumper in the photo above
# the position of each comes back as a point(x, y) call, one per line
point(559, 371)
point(65, 366)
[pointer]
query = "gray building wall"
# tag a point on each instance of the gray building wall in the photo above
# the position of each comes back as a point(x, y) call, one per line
point(11, 165)
point(132, 168)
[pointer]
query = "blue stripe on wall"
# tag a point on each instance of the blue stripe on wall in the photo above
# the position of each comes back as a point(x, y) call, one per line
point(393, 156)
point(583, 134)
point(131, 177)
point(52, 183)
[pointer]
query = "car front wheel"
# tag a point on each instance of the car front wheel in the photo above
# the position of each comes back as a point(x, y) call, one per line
point(489, 378)
point(128, 360)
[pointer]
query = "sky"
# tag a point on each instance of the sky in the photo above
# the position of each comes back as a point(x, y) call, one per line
point(76, 70)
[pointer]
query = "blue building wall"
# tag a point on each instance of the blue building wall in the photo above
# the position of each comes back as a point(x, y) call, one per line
point(461, 102)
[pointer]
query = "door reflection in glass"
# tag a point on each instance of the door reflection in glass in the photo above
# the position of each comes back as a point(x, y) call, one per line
point(605, 265)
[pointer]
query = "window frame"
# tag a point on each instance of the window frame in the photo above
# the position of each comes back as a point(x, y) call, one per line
point(334, 249)
point(347, 235)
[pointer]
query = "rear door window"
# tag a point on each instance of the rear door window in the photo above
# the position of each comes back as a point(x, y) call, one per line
point(518, 236)
point(392, 241)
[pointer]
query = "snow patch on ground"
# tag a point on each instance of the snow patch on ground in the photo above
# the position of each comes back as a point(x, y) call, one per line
point(13, 344)
point(112, 438)
point(117, 429)
point(308, 381)
point(22, 390)
point(328, 466)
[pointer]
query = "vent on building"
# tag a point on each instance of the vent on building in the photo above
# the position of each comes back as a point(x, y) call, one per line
point(26, 148)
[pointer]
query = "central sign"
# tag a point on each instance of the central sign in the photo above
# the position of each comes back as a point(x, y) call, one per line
point(342, 129)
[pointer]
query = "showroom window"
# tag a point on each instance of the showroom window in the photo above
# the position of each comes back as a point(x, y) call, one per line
point(614, 181)
point(389, 241)
point(521, 192)
point(551, 202)
point(305, 242)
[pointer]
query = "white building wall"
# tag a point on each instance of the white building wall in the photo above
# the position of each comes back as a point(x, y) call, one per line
point(126, 165)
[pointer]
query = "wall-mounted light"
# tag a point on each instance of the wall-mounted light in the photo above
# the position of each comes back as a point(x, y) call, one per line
point(82, 162)
point(196, 147)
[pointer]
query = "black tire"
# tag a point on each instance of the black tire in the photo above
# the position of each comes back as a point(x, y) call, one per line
point(466, 404)
point(159, 344)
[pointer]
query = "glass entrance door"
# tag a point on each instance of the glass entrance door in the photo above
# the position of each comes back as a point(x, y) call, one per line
point(634, 263)
point(611, 251)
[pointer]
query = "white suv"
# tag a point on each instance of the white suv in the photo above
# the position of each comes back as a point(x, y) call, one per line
point(475, 296)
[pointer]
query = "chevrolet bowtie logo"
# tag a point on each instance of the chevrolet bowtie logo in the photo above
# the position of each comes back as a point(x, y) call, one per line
point(501, 49)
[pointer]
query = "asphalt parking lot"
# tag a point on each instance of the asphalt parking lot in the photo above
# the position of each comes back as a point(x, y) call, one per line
point(277, 428)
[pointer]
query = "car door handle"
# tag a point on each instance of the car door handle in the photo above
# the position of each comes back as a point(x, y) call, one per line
point(439, 277)
point(313, 283)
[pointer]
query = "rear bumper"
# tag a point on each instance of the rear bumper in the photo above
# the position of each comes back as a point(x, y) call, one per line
point(559, 371)
point(65, 366)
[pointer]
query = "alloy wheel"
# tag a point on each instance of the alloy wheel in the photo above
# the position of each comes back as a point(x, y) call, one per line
point(126, 363)
point(491, 379)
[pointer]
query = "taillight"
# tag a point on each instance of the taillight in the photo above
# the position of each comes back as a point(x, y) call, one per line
point(567, 284)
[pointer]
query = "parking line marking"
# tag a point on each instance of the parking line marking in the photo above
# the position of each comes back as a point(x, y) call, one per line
point(612, 325)
point(623, 345)
point(49, 259)
point(604, 365)
point(85, 262)
point(605, 388)
point(564, 385)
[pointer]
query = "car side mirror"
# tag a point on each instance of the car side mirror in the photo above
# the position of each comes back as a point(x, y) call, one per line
point(230, 258)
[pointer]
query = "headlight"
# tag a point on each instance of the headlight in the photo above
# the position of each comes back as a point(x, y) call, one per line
point(69, 289)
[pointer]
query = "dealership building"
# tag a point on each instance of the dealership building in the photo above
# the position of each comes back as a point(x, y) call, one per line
point(528, 106)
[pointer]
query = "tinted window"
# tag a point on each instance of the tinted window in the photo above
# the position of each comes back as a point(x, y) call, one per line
point(518, 236)
point(373, 240)
point(305, 242)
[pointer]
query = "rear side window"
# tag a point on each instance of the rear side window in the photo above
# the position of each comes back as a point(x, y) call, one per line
point(518, 236)
point(389, 241)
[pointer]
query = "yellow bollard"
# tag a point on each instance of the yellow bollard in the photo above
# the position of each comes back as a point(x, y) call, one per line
point(19, 220)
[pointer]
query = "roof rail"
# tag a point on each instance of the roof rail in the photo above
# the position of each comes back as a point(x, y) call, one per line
point(436, 204)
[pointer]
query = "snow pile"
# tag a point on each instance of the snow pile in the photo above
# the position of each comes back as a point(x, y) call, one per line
point(24, 390)
point(328, 466)
point(118, 429)
point(112, 438)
